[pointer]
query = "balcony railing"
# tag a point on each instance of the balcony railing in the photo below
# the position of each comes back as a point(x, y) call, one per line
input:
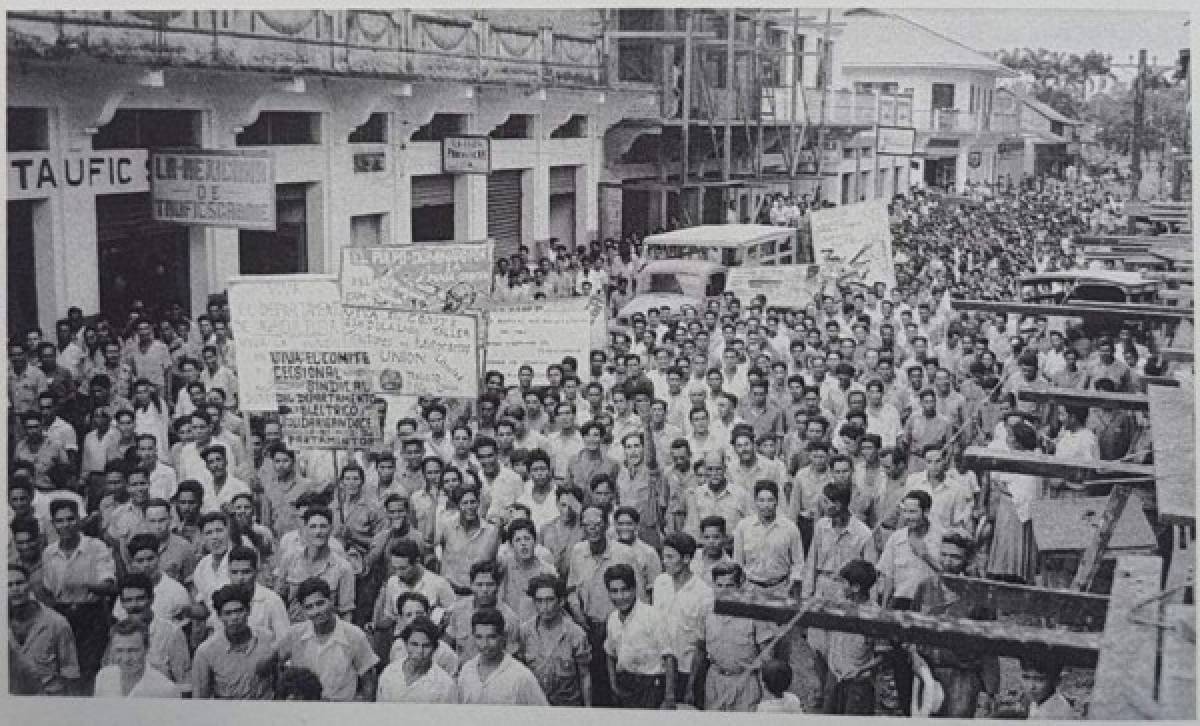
point(403, 44)
point(965, 122)
point(844, 108)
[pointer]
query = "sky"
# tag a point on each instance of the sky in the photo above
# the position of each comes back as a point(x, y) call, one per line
point(1122, 33)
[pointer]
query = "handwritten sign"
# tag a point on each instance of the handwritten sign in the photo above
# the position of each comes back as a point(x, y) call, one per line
point(325, 398)
point(538, 334)
point(853, 242)
point(430, 278)
point(217, 188)
point(38, 174)
point(417, 354)
point(279, 312)
point(793, 286)
point(467, 155)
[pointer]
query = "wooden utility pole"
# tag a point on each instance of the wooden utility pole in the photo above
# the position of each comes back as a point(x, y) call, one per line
point(685, 115)
point(1139, 113)
point(823, 62)
point(732, 87)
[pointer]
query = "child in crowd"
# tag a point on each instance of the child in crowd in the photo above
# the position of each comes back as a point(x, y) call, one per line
point(776, 677)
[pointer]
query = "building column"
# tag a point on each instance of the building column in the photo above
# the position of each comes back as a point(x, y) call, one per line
point(961, 169)
point(535, 193)
point(66, 252)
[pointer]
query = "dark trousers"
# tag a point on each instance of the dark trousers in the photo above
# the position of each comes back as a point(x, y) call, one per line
point(898, 659)
point(852, 697)
point(806, 525)
point(638, 691)
point(602, 694)
point(90, 623)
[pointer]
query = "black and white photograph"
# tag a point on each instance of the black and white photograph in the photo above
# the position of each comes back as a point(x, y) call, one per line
point(821, 361)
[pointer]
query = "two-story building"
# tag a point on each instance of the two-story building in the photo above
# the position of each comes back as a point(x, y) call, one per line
point(960, 132)
point(1051, 142)
point(352, 106)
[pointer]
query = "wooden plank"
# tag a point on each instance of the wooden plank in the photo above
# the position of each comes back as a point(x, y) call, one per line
point(1173, 437)
point(1177, 680)
point(1091, 399)
point(1066, 607)
point(1164, 381)
point(975, 636)
point(1128, 649)
point(1023, 462)
point(1063, 526)
point(1129, 310)
point(1180, 355)
point(1090, 564)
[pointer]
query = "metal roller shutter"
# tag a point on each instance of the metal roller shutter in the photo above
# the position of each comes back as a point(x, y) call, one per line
point(432, 191)
point(562, 180)
point(504, 211)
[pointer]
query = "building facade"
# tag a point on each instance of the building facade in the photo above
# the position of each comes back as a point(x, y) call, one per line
point(1051, 142)
point(961, 134)
point(352, 106)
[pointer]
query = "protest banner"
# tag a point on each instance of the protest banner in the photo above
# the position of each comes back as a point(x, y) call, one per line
point(417, 354)
point(431, 278)
point(793, 286)
point(279, 312)
point(325, 398)
point(538, 334)
point(853, 242)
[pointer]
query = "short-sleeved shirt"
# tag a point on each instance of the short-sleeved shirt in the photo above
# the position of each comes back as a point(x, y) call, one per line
point(461, 549)
point(151, 363)
point(831, 550)
point(732, 643)
point(458, 627)
point(295, 567)
point(444, 656)
point(168, 653)
point(514, 586)
point(638, 641)
point(225, 671)
point(338, 659)
point(587, 575)
point(557, 656)
point(558, 538)
point(432, 585)
point(153, 684)
point(769, 553)
point(49, 648)
point(902, 566)
point(683, 611)
point(510, 684)
point(68, 575)
point(169, 599)
point(43, 457)
point(23, 388)
point(731, 504)
point(434, 686)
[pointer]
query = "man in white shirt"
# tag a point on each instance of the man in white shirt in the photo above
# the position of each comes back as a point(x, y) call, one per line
point(221, 487)
point(641, 656)
point(494, 676)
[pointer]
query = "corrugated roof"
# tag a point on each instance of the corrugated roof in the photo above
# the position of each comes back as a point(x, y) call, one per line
point(873, 38)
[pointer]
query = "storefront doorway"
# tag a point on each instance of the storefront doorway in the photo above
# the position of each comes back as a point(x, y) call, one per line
point(22, 285)
point(140, 258)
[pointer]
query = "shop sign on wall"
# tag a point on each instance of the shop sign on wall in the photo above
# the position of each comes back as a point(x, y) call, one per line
point(216, 188)
point(467, 155)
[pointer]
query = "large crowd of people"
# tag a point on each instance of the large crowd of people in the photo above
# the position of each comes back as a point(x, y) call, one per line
point(561, 540)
